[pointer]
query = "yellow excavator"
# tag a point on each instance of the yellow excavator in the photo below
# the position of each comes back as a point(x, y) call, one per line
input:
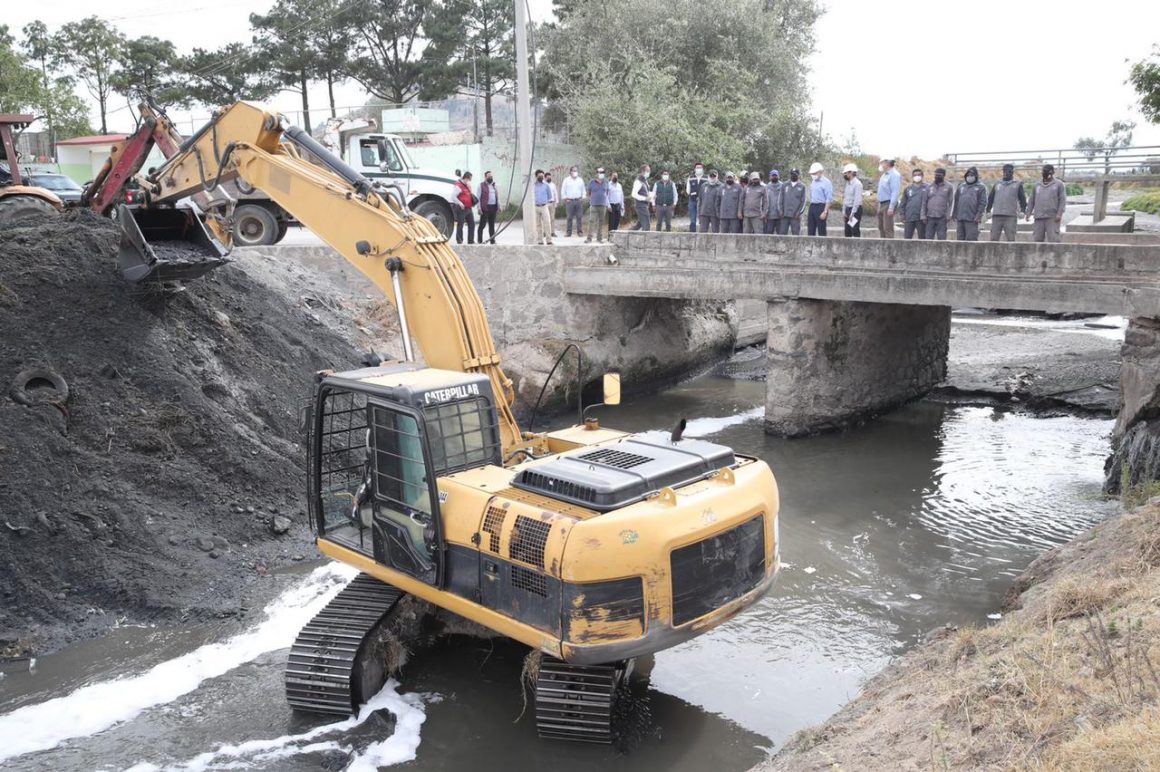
point(590, 545)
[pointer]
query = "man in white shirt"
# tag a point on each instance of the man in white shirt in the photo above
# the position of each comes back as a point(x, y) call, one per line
point(642, 199)
point(572, 191)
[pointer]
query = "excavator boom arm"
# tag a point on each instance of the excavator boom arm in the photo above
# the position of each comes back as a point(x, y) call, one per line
point(375, 234)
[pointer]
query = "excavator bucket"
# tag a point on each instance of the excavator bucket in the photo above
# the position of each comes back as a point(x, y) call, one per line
point(166, 245)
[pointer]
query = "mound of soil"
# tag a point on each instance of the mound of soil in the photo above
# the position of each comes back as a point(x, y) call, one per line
point(155, 490)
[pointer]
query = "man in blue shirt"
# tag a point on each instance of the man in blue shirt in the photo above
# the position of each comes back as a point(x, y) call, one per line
point(821, 197)
point(598, 190)
point(544, 194)
point(889, 189)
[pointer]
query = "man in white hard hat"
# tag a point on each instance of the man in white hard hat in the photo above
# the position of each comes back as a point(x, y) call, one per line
point(821, 198)
point(852, 202)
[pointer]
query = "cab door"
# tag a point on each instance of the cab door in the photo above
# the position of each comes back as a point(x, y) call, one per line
point(407, 532)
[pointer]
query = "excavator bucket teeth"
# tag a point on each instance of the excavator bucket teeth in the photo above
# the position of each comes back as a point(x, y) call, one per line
point(166, 245)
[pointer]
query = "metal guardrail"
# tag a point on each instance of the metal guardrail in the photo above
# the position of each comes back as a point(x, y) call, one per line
point(1072, 163)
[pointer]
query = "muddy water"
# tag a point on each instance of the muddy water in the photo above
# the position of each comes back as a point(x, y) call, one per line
point(888, 531)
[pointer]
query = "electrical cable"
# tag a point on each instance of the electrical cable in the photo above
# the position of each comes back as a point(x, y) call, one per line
point(579, 379)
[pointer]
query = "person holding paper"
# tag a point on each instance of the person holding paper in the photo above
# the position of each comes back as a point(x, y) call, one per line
point(852, 202)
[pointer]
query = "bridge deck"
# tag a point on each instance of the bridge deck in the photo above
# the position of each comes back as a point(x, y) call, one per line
point(1097, 278)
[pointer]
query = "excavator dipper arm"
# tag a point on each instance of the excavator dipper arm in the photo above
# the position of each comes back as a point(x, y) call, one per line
point(368, 227)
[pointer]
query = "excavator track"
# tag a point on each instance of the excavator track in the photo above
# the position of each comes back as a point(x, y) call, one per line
point(575, 702)
point(330, 667)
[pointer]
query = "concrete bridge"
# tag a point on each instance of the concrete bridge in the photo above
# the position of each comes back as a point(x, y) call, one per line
point(858, 326)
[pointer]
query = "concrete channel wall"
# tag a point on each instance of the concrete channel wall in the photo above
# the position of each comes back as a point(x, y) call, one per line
point(651, 341)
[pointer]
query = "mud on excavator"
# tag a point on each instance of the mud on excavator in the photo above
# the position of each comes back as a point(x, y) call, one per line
point(589, 545)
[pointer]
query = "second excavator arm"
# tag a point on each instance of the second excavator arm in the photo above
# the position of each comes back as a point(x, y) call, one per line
point(403, 254)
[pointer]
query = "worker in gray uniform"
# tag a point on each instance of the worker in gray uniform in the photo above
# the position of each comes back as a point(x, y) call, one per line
point(793, 203)
point(709, 204)
point(730, 212)
point(1048, 200)
point(970, 206)
point(773, 202)
point(1005, 203)
point(753, 205)
point(940, 199)
point(912, 207)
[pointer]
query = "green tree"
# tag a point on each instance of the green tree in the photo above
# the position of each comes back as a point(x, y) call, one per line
point(283, 44)
point(1145, 78)
point(215, 78)
point(91, 48)
point(19, 83)
point(329, 35)
point(674, 82)
point(390, 41)
point(471, 51)
point(148, 64)
point(1119, 136)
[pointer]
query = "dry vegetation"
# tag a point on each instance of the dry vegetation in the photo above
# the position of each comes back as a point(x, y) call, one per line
point(1068, 681)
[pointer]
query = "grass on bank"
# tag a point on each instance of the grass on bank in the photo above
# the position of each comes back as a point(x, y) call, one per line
point(1144, 202)
point(1070, 681)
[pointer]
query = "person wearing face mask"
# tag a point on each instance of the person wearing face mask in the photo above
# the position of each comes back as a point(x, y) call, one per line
point(852, 202)
point(753, 203)
point(488, 196)
point(463, 206)
point(730, 209)
point(793, 203)
point(572, 191)
point(773, 208)
point(970, 206)
point(912, 206)
point(555, 199)
point(709, 204)
point(939, 206)
point(821, 199)
point(598, 189)
point(542, 195)
point(665, 199)
point(693, 191)
point(1006, 202)
point(615, 202)
point(1048, 200)
point(642, 198)
point(889, 189)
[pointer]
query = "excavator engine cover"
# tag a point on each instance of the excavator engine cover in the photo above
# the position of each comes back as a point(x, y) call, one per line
point(623, 473)
point(166, 245)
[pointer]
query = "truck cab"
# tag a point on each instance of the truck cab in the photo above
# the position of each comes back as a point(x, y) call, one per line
point(385, 157)
point(258, 221)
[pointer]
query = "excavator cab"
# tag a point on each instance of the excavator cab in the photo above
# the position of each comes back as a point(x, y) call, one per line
point(166, 245)
point(378, 440)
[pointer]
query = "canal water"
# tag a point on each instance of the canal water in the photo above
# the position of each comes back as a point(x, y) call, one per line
point(916, 520)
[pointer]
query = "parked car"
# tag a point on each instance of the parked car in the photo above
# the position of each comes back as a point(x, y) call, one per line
point(66, 189)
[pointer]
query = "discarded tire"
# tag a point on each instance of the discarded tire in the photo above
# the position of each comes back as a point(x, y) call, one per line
point(29, 388)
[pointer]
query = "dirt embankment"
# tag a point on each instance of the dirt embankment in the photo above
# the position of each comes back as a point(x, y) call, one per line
point(173, 474)
point(1068, 680)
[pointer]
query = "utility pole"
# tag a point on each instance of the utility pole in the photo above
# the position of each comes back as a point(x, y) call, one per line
point(524, 121)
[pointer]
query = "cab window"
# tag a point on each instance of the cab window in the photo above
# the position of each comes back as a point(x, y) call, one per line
point(463, 435)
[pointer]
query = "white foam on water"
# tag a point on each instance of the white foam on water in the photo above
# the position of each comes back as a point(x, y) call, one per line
point(914, 596)
point(96, 707)
point(702, 427)
point(401, 746)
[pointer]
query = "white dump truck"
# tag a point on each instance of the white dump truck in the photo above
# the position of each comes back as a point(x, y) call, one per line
point(260, 221)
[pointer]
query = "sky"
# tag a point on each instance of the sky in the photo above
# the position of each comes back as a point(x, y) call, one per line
point(905, 77)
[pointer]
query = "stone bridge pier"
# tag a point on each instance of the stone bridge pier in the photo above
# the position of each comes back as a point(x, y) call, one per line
point(836, 362)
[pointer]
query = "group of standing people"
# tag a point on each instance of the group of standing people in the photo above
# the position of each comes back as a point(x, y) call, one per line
point(746, 204)
point(927, 209)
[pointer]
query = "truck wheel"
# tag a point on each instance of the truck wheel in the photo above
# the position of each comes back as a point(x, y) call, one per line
point(18, 210)
point(439, 213)
point(254, 226)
